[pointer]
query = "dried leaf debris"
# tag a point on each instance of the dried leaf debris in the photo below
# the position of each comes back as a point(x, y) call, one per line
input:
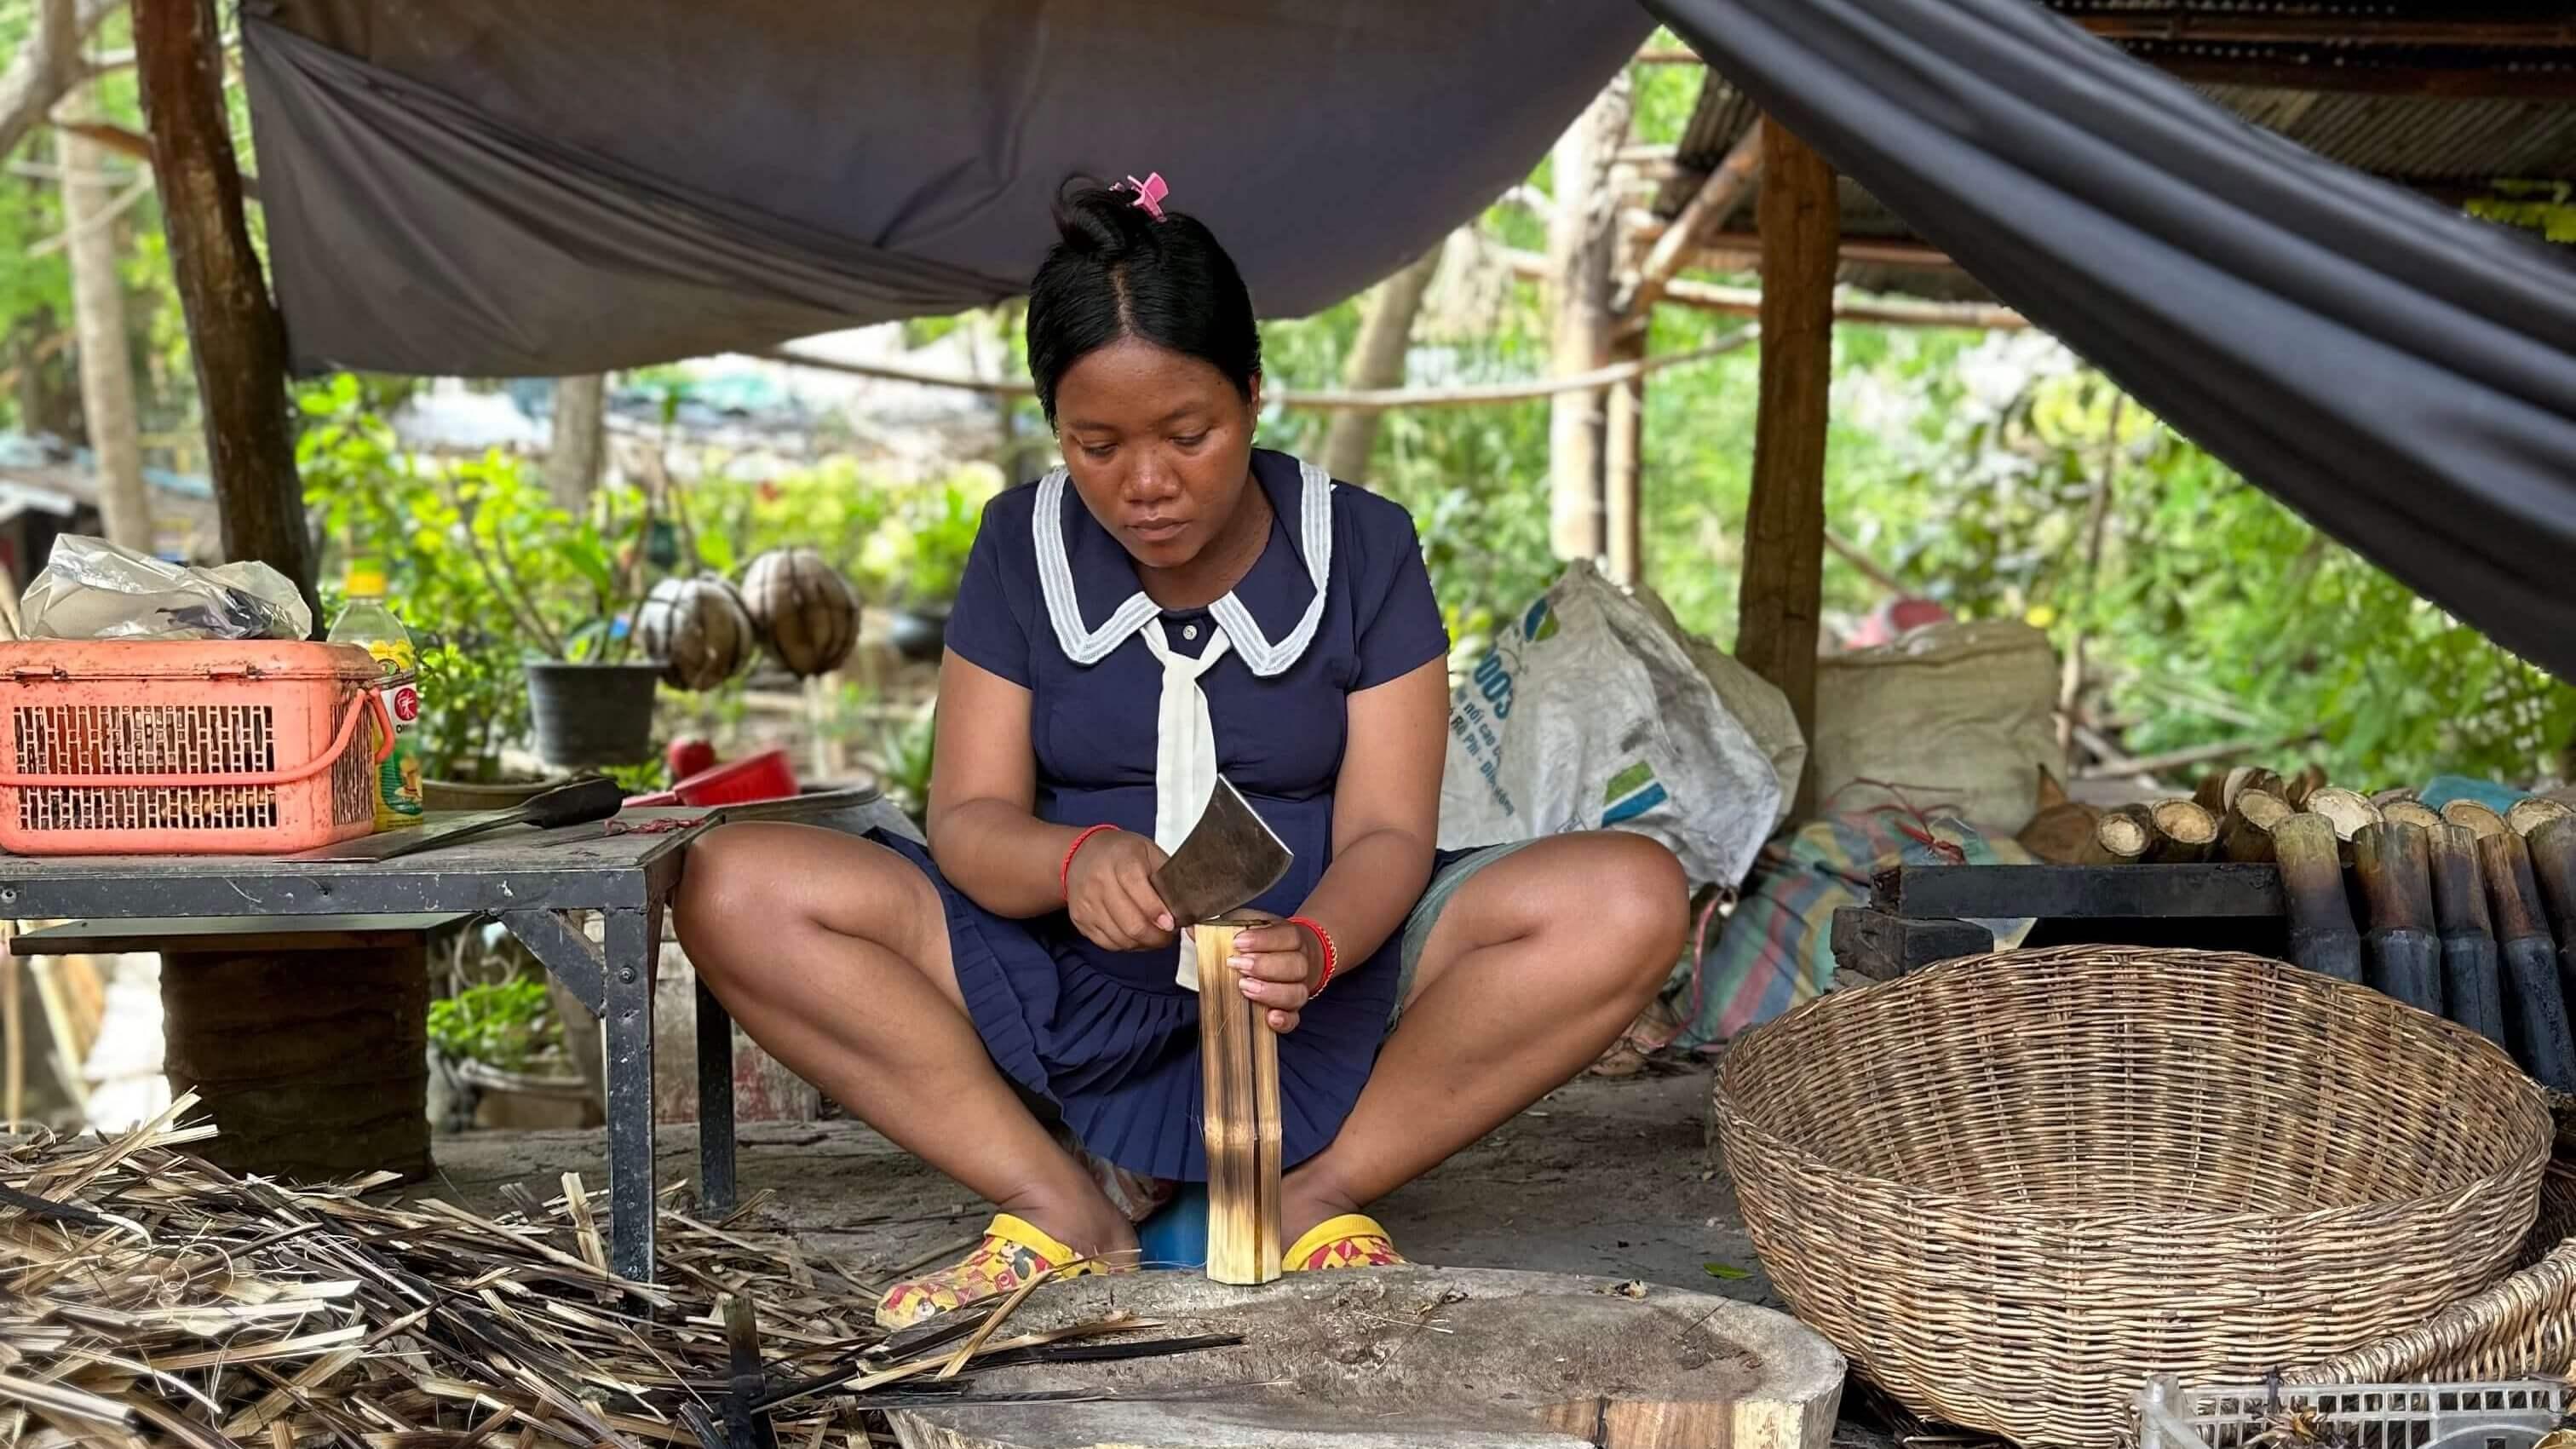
point(149, 1297)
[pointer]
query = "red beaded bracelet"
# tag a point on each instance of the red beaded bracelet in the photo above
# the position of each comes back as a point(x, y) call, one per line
point(1324, 939)
point(1064, 872)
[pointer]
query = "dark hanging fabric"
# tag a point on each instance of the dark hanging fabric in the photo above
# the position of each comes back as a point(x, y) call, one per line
point(497, 187)
point(2402, 375)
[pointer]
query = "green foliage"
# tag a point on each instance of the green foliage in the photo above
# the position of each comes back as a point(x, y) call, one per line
point(908, 747)
point(2547, 207)
point(2214, 612)
point(932, 530)
point(480, 565)
point(506, 1024)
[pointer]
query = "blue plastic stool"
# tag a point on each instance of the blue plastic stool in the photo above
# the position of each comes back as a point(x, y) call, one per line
point(1176, 1235)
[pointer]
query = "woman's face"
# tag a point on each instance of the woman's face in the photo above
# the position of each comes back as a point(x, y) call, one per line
point(1159, 445)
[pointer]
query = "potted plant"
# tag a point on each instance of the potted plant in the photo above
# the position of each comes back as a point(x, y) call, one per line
point(368, 496)
point(503, 1040)
point(569, 584)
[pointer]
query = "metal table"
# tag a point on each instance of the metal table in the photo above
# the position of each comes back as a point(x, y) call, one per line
point(526, 880)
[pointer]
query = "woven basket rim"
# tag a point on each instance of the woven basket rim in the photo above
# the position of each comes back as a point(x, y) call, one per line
point(2532, 1102)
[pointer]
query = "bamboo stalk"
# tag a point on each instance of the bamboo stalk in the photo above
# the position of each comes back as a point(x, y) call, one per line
point(2247, 835)
point(1239, 1066)
point(2322, 936)
point(2553, 867)
point(2413, 812)
point(2477, 817)
point(2469, 981)
point(2121, 836)
point(2300, 786)
point(2395, 793)
point(2180, 831)
point(2346, 809)
point(2534, 811)
point(2394, 865)
point(2535, 1001)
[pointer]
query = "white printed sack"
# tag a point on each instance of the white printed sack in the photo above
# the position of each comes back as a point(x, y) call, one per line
point(1590, 712)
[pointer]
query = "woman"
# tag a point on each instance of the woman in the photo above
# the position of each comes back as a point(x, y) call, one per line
point(1173, 604)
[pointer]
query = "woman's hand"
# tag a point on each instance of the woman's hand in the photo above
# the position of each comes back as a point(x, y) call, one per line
point(1275, 965)
point(1109, 891)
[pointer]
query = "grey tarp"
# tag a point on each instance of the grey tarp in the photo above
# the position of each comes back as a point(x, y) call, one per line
point(2399, 373)
point(532, 187)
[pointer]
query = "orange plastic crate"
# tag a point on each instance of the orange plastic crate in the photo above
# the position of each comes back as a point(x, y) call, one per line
point(130, 748)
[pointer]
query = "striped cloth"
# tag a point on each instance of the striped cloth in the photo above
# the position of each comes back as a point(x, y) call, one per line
point(1776, 950)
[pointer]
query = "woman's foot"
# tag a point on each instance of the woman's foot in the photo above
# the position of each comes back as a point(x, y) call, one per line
point(1014, 1252)
point(1323, 1228)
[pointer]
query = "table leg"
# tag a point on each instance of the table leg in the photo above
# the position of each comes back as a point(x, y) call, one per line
point(632, 944)
point(715, 1103)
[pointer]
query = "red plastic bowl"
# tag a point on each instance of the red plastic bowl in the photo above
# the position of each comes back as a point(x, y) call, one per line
point(764, 776)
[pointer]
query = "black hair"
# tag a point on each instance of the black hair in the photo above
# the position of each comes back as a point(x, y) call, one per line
point(1117, 271)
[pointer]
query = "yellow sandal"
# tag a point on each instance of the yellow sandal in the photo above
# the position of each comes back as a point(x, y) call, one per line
point(1013, 1252)
point(1353, 1240)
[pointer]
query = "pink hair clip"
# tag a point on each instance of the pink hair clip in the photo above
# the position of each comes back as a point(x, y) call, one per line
point(1149, 193)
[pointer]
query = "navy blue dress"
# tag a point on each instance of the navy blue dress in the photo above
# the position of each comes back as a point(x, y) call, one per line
point(1109, 1037)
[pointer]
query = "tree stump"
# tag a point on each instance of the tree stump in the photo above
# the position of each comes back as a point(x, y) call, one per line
point(1418, 1357)
point(313, 1062)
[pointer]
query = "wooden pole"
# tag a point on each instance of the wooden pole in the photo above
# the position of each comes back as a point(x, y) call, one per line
point(98, 316)
point(1239, 1068)
point(234, 336)
point(1377, 361)
point(1707, 210)
point(1582, 244)
point(1624, 464)
point(1781, 600)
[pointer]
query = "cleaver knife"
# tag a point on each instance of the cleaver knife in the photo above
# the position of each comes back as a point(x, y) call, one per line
point(1229, 858)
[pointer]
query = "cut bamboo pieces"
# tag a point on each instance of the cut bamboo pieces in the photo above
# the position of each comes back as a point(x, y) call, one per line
point(2322, 936)
point(1239, 1066)
point(2533, 811)
point(2122, 835)
point(2180, 831)
point(2247, 835)
point(2535, 1003)
point(2475, 816)
point(2303, 784)
point(2347, 809)
point(2470, 988)
point(2412, 812)
point(2553, 868)
point(2394, 866)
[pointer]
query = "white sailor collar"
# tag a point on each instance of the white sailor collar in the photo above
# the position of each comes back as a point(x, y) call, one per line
point(1269, 618)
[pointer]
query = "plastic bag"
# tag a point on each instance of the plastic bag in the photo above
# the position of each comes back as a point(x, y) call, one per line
point(1591, 713)
point(93, 589)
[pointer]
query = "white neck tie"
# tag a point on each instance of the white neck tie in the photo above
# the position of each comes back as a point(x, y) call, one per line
point(1184, 757)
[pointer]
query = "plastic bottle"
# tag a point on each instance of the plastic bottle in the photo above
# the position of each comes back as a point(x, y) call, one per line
point(367, 623)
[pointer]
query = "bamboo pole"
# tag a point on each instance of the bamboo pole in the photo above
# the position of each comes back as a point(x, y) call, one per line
point(2347, 810)
point(2180, 831)
point(2413, 812)
point(2394, 866)
point(2322, 936)
point(2534, 811)
point(2470, 985)
point(1239, 1068)
point(2535, 1002)
point(2247, 835)
point(2122, 836)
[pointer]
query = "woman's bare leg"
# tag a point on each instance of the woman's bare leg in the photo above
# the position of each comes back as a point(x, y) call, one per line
point(833, 954)
point(1537, 965)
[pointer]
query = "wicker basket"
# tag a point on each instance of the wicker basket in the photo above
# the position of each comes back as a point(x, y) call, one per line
point(2010, 1188)
point(2523, 1326)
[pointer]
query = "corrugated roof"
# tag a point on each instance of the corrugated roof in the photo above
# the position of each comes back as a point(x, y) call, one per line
point(2496, 101)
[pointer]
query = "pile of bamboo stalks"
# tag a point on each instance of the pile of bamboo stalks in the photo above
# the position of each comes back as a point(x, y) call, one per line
point(2462, 912)
point(148, 1297)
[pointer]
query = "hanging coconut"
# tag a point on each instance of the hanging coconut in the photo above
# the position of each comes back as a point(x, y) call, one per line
point(807, 614)
point(697, 629)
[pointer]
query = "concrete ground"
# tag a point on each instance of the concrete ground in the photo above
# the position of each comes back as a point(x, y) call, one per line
point(1604, 1177)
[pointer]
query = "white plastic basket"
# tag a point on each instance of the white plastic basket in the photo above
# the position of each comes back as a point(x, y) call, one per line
point(2504, 1415)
